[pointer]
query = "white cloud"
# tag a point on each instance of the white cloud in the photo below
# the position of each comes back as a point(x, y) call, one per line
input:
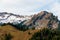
point(22, 6)
point(27, 7)
point(55, 8)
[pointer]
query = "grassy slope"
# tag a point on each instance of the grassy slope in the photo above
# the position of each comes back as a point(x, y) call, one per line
point(17, 35)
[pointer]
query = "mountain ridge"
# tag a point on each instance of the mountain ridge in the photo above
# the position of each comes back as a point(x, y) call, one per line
point(38, 21)
point(10, 17)
point(44, 22)
point(43, 19)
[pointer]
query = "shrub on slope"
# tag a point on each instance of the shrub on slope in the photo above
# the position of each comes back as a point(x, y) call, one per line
point(46, 34)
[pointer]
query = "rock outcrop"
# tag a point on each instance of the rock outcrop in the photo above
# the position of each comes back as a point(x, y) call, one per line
point(42, 20)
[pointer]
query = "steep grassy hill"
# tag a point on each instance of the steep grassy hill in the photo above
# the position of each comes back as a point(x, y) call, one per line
point(16, 34)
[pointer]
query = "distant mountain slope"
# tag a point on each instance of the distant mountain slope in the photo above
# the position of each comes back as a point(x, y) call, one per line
point(10, 17)
point(43, 19)
point(23, 27)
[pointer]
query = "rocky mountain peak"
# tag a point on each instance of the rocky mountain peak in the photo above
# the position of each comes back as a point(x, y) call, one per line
point(44, 19)
point(41, 20)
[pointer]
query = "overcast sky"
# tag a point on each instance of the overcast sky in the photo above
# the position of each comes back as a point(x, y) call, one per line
point(28, 7)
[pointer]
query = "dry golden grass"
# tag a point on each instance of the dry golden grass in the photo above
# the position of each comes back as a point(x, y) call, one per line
point(17, 35)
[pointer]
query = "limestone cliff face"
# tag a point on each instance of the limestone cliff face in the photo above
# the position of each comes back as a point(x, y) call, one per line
point(43, 19)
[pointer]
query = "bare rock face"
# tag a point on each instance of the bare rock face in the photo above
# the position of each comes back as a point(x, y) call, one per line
point(43, 19)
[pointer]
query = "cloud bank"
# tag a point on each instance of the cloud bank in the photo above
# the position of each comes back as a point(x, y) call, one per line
point(28, 7)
